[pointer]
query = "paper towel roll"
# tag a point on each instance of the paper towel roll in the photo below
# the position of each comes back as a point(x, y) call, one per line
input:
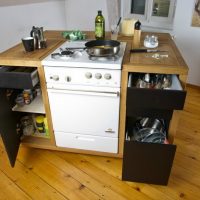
point(127, 27)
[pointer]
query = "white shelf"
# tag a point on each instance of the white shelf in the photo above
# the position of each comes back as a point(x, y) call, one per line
point(36, 106)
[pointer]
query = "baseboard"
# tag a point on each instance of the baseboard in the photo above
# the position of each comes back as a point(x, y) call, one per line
point(192, 86)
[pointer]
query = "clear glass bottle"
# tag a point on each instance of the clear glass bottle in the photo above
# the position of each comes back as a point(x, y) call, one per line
point(99, 26)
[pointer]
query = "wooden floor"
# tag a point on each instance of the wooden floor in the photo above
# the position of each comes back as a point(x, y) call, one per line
point(41, 174)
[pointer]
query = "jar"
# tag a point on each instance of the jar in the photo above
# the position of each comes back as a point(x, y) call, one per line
point(28, 96)
point(151, 41)
point(19, 100)
point(27, 125)
point(40, 123)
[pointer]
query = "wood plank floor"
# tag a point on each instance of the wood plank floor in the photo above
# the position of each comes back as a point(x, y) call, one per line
point(42, 174)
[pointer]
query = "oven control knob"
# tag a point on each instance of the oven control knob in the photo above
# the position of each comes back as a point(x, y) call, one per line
point(68, 78)
point(98, 76)
point(55, 77)
point(107, 76)
point(88, 75)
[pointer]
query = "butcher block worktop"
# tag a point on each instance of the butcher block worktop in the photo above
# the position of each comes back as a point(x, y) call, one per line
point(17, 56)
point(135, 62)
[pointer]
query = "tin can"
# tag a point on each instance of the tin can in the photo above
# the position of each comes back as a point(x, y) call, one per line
point(28, 96)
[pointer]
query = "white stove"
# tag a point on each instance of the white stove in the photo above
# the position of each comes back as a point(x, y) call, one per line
point(84, 98)
point(81, 59)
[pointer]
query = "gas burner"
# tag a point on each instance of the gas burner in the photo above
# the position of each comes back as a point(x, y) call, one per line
point(66, 54)
point(63, 54)
point(103, 58)
point(74, 55)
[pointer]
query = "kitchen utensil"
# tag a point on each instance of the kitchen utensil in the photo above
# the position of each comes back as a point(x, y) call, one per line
point(118, 23)
point(153, 136)
point(38, 35)
point(115, 30)
point(100, 48)
point(116, 26)
point(145, 127)
point(148, 134)
point(167, 81)
point(146, 50)
point(63, 53)
point(127, 27)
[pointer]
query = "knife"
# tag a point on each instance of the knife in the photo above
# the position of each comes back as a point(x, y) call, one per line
point(146, 50)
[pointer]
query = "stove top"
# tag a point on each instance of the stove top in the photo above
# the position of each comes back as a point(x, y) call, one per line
point(62, 57)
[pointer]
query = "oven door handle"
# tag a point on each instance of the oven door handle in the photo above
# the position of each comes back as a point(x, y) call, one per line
point(85, 92)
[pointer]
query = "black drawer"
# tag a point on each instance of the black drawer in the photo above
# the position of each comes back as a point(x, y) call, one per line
point(145, 98)
point(147, 162)
point(18, 77)
point(153, 113)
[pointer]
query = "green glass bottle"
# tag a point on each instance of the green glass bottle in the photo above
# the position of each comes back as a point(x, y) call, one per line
point(99, 26)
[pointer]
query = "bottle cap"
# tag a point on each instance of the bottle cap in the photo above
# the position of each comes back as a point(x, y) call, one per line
point(99, 11)
point(137, 25)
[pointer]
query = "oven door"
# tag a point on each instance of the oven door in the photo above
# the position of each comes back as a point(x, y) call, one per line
point(85, 112)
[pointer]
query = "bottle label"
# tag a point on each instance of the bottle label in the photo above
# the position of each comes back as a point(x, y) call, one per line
point(99, 30)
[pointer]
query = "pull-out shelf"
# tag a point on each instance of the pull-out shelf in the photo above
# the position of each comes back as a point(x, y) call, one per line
point(157, 99)
point(147, 162)
point(18, 77)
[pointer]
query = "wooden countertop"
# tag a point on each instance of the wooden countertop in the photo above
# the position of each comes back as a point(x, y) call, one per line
point(137, 62)
point(145, 62)
point(17, 56)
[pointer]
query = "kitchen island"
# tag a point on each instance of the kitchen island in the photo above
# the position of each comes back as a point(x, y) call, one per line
point(132, 64)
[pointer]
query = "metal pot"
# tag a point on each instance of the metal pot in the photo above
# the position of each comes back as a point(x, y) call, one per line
point(102, 48)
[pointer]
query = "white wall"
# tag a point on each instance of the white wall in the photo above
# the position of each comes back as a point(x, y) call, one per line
point(187, 39)
point(17, 21)
point(81, 14)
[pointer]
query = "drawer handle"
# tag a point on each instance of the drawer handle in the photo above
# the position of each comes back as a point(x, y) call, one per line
point(110, 131)
point(85, 139)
